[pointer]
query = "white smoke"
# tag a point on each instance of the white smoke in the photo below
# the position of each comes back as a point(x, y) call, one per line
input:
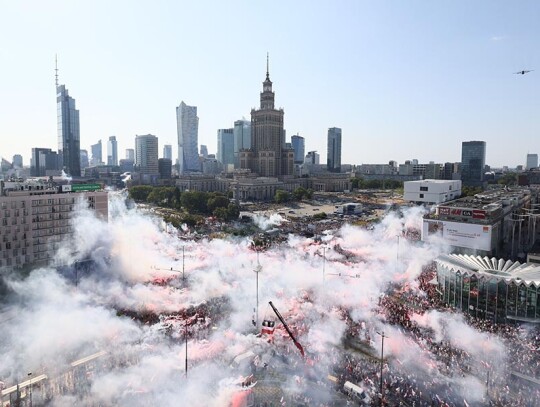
point(139, 268)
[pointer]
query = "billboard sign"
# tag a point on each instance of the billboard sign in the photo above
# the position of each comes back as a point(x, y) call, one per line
point(85, 187)
point(458, 234)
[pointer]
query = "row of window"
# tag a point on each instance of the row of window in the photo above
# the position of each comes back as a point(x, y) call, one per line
point(489, 298)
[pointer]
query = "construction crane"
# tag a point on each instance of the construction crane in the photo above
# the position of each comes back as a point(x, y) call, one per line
point(296, 343)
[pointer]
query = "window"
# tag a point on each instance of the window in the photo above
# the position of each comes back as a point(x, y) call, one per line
point(423, 188)
point(421, 195)
point(450, 188)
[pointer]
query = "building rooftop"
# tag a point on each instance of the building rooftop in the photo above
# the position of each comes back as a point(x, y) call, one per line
point(486, 267)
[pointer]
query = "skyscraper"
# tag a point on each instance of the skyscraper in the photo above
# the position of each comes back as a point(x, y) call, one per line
point(97, 153)
point(298, 145)
point(84, 159)
point(204, 151)
point(69, 138)
point(242, 139)
point(473, 160)
point(333, 161)
point(532, 161)
point(268, 155)
point(146, 154)
point(17, 161)
point(112, 151)
point(37, 161)
point(188, 133)
point(130, 154)
point(167, 151)
point(225, 146)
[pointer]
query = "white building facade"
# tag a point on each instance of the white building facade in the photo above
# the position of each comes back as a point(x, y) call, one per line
point(431, 191)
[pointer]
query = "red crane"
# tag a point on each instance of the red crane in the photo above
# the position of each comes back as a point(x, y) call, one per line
point(296, 343)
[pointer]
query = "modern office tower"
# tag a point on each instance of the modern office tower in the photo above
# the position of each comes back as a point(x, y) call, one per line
point(37, 161)
point(298, 145)
point(532, 161)
point(188, 135)
point(112, 151)
point(126, 165)
point(44, 162)
point(167, 151)
point(204, 151)
point(473, 160)
point(69, 138)
point(312, 157)
point(225, 147)
point(17, 161)
point(165, 168)
point(130, 154)
point(84, 159)
point(333, 161)
point(268, 155)
point(37, 215)
point(97, 154)
point(146, 154)
point(242, 139)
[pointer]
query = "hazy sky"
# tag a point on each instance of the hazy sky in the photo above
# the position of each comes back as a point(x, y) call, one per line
point(403, 79)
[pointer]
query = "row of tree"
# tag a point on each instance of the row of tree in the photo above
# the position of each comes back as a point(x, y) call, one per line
point(360, 183)
point(192, 202)
point(298, 194)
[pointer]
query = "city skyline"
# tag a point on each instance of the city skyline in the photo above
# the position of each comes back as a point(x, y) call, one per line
point(402, 81)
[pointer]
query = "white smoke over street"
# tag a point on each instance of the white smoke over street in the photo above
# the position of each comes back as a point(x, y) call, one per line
point(138, 269)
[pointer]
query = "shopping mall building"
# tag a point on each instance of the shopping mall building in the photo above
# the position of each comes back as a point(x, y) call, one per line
point(499, 290)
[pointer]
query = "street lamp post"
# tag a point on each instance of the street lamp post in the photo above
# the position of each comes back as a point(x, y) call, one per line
point(397, 255)
point(382, 359)
point(257, 270)
point(185, 335)
point(30, 392)
point(183, 262)
point(323, 264)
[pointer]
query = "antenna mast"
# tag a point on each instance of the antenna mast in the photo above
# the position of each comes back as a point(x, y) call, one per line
point(56, 69)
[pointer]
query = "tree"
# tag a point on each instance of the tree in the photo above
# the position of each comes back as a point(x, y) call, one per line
point(299, 193)
point(194, 201)
point(139, 193)
point(320, 216)
point(355, 182)
point(233, 211)
point(218, 201)
point(281, 196)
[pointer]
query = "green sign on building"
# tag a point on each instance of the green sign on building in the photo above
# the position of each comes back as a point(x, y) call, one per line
point(85, 187)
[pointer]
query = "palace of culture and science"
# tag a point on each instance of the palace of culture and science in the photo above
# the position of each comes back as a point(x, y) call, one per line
point(268, 155)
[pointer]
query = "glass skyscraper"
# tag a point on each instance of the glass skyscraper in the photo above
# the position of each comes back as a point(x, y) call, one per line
point(242, 139)
point(112, 151)
point(188, 133)
point(69, 138)
point(473, 161)
point(225, 152)
point(333, 161)
point(298, 145)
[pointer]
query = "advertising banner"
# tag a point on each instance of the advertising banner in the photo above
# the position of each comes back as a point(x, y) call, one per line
point(458, 234)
